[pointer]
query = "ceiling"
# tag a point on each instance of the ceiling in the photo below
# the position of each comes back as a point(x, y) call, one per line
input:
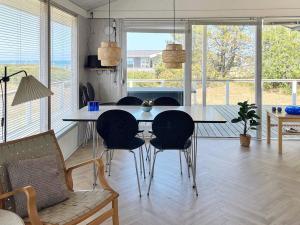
point(90, 4)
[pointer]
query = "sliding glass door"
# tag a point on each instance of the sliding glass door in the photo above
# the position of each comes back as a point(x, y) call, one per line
point(281, 63)
point(225, 55)
point(147, 76)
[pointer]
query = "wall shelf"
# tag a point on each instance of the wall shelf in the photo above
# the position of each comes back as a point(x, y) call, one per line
point(112, 69)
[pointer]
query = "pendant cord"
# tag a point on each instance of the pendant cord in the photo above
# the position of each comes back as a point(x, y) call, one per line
point(109, 20)
point(174, 21)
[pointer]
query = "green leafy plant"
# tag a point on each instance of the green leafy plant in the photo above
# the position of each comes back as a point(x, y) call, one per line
point(247, 115)
point(147, 103)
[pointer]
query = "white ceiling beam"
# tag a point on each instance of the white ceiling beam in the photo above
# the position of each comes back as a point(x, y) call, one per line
point(72, 7)
point(199, 8)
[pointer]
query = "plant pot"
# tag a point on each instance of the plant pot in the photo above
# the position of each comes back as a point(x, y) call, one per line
point(146, 108)
point(245, 140)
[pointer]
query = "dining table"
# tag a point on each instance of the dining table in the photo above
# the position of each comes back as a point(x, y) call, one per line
point(199, 114)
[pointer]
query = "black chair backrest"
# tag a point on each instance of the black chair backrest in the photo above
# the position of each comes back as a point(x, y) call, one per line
point(173, 128)
point(83, 96)
point(166, 101)
point(130, 100)
point(90, 91)
point(117, 128)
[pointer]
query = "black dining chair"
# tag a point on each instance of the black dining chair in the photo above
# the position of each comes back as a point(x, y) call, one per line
point(161, 101)
point(130, 100)
point(90, 91)
point(166, 101)
point(118, 129)
point(173, 130)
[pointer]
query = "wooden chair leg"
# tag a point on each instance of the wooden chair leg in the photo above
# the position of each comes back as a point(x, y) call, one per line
point(115, 217)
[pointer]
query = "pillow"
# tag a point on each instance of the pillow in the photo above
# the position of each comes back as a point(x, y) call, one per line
point(43, 175)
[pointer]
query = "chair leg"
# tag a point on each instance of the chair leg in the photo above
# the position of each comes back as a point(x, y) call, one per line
point(186, 154)
point(149, 157)
point(194, 179)
point(142, 155)
point(107, 161)
point(109, 166)
point(152, 171)
point(115, 216)
point(180, 162)
point(137, 171)
point(141, 166)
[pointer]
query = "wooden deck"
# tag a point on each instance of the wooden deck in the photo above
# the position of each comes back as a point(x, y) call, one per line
point(230, 130)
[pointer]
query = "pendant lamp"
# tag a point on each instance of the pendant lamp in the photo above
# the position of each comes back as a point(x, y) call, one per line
point(109, 53)
point(173, 56)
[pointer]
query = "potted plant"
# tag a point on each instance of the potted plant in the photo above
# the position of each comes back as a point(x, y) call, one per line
point(147, 105)
point(247, 115)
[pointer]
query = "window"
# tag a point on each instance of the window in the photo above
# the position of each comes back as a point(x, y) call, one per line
point(20, 50)
point(63, 68)
point(23, 35)
point(130, 62)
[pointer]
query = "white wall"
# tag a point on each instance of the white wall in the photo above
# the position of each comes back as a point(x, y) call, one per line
point(68, 142)
point(200, 8)
point(106, 84)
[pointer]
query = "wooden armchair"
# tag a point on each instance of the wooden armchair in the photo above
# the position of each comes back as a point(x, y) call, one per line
point(80, 206)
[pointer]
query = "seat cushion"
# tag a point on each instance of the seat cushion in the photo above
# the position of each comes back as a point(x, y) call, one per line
point(43, 175)
point(133, 144)
point(77, 205)
point(158, 145)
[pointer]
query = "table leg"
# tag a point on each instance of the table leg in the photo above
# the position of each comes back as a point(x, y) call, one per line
point(94, 154)
point(194, 158)
point(268, 128)
point(279, 136)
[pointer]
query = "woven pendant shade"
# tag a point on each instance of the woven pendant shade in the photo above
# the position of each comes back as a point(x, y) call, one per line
point(30, 89)
point(109, 53)
point(173, 56)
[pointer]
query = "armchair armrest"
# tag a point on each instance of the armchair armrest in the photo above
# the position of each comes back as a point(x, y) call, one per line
point(100, 169)
point(31, 202)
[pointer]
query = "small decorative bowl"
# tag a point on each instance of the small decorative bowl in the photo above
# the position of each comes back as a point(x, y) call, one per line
point(146, 108)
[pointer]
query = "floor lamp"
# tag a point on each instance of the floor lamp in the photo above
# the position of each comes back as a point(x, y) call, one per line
point(29, 89)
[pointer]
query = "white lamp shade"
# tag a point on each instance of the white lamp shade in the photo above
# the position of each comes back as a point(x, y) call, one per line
point(30, 89)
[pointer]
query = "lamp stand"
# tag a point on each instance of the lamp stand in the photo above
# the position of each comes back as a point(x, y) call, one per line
point(5, 79)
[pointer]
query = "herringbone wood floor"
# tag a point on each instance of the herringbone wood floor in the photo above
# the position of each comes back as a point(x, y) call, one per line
point(236, 186)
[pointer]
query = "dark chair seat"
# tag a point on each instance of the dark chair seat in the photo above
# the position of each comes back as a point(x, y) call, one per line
point(158, 145)
point(135, 143)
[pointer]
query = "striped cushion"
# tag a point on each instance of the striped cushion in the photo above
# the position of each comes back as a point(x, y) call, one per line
point(43, 175)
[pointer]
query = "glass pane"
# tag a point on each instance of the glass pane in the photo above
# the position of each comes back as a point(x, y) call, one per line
point(197, 38)
point(230, 64)
point(20, 50)
point(281, 67)
point(148, 78)
point(62, 72)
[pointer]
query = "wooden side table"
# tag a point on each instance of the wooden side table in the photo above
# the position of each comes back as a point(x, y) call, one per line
point(10, 218)
point(280, 118)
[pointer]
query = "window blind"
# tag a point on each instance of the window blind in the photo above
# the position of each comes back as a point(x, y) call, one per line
point(20, 50)
point(63, 71)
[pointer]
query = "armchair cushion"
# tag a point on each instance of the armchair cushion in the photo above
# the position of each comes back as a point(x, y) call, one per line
point(78, 204)
point(43, 175)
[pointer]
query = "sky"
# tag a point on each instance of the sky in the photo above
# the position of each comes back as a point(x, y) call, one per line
point(147, 41)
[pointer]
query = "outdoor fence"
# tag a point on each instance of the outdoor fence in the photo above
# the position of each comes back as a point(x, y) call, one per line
point(197, 83)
